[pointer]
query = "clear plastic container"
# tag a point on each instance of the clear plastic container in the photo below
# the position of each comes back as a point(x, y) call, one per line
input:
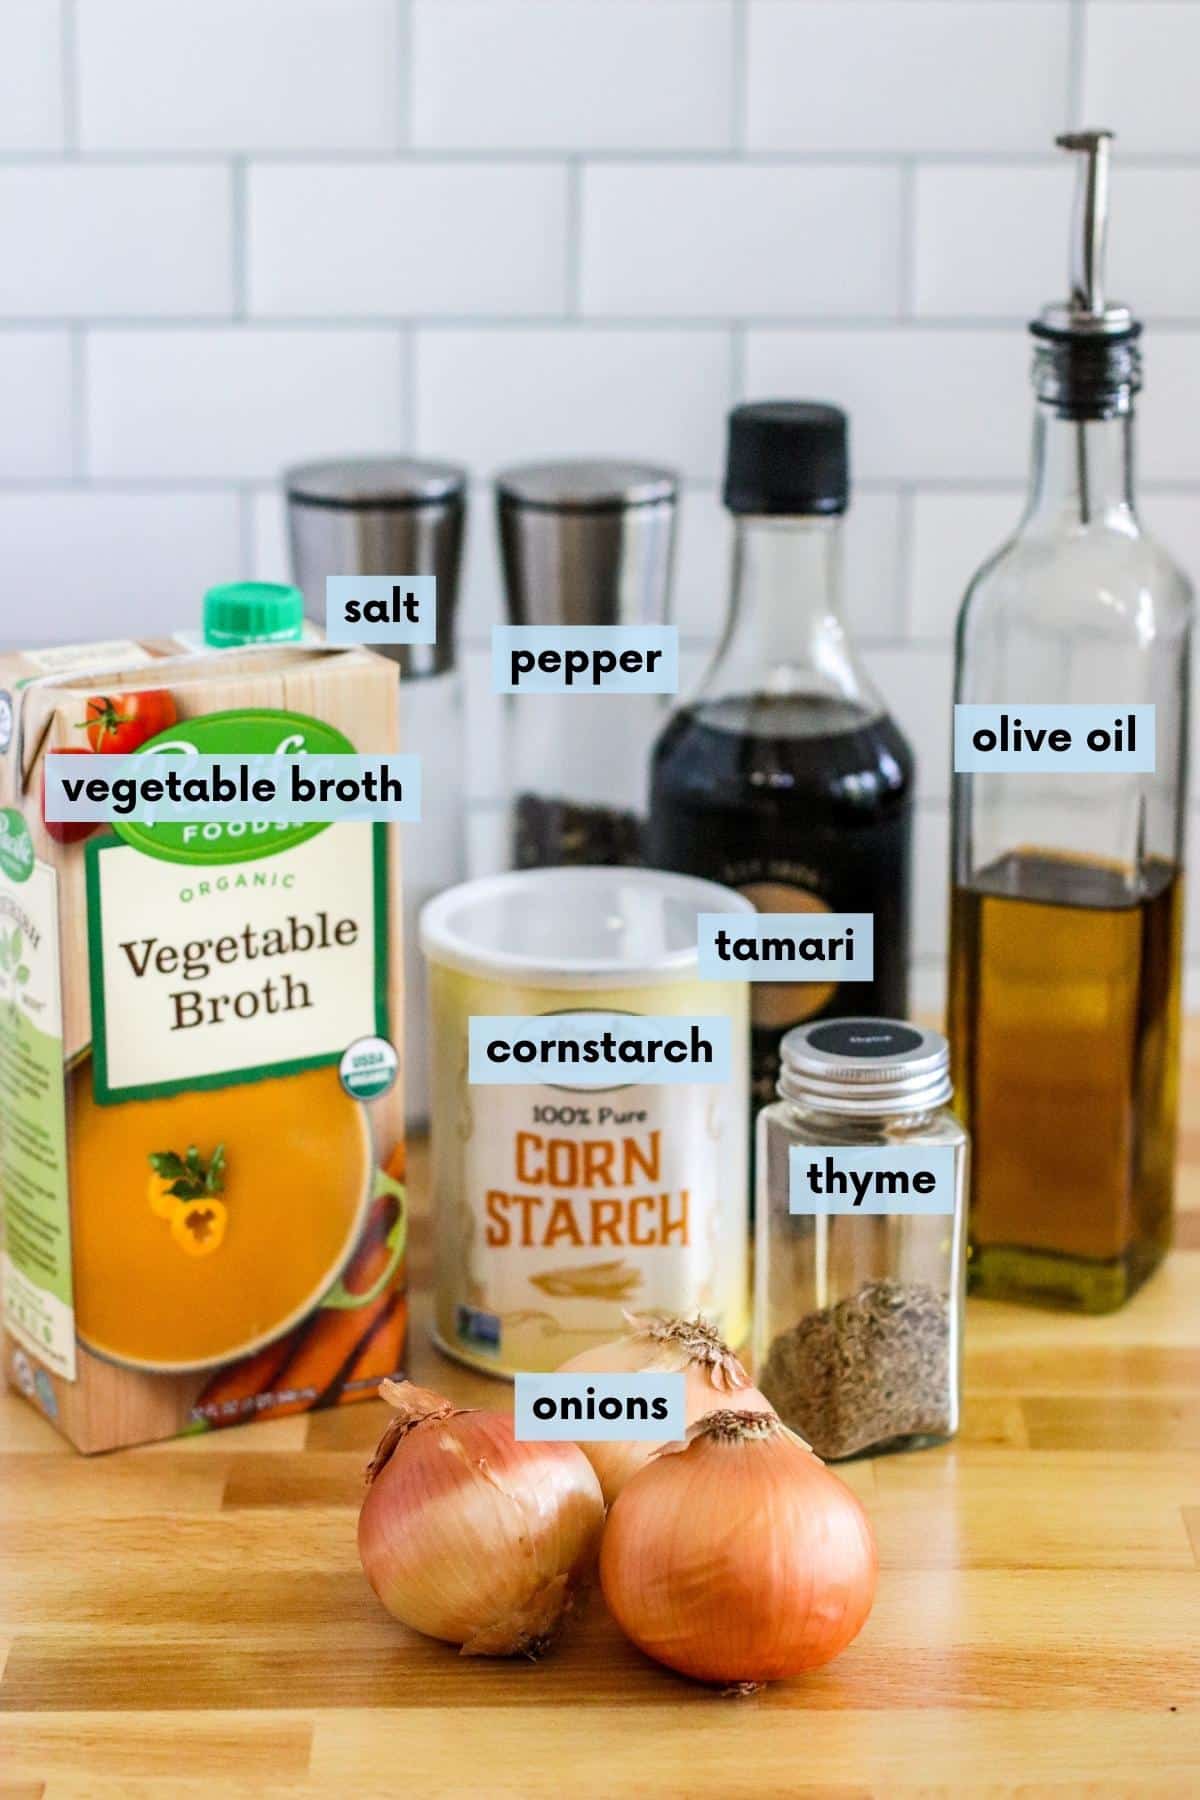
point(858, 1317)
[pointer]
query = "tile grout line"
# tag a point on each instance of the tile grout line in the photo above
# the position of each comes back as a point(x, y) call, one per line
point(573, 245)
point(404, 75)
point(238, 238)
point(737, 362)
point(79, 406)
point(739, 76)
point(821, 324)
point(1076, 62)
point(246, 545)
point(410, 374)
point(907, 240)
point(417, 156)
point(69, 47)
point(906, 519)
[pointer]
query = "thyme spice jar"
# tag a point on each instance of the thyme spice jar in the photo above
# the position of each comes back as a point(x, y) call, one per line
point(859, 1281)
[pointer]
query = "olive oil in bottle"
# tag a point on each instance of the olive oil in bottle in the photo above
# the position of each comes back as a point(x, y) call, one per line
point(1065, 942)
point(1065, 1026)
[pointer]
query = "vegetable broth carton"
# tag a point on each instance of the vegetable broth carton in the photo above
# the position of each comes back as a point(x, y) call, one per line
point(201, 1121)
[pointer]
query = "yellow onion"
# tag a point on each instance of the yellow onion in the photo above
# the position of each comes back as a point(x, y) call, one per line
point(713, 1379)
point(739, 1558)
point(468, 1535)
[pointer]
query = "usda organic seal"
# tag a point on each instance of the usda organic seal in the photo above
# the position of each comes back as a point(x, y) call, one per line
point(369, 1068)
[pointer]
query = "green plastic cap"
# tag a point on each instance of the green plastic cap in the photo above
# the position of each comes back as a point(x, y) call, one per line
point(252, 612)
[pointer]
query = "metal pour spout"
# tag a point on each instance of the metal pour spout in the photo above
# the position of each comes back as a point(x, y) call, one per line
point(1089, 224)
point(1088, 309)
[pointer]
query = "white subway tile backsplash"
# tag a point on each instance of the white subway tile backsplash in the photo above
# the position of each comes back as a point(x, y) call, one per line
point(710, 239)
point(578, 74)
point(239, 404)
point(96, 565)
point(271, 557)
point(490, 397)
point(1169, 443)
point(872, 576)
point(31, 75)
point(922, 75)
point(994, 241)
point(952, 535)
point(990, 241)
point(447, 238)
point(1139, 72)
point(86, 241)
point(924, 405)
point(239, 74)
point(36, 412)
point(703, 549)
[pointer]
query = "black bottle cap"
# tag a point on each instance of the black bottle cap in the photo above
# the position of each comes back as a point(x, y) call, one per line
point(787, 456)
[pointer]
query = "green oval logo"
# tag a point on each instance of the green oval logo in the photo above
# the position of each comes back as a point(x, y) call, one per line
point(16, 846)
point(250, 731)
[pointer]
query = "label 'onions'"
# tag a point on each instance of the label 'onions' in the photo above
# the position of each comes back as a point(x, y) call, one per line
point(739, 1558)
point(468, 1535)
point(713, 1379)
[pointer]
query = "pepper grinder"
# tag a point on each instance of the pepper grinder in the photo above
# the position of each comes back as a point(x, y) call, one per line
point(396, 516)
point(583, 543)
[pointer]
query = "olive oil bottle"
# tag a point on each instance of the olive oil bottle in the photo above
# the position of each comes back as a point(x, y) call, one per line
point(1065, 938)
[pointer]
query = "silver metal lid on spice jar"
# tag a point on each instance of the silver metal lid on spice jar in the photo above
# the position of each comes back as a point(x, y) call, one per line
point(586, 542)
point(381, 515)
point(865, 1066)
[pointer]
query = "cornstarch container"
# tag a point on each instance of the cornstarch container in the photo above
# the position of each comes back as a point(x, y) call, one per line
point(557, 1209)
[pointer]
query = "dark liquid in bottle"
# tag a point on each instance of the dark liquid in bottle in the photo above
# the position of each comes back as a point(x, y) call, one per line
point(1064, 1025)
point(804, 805)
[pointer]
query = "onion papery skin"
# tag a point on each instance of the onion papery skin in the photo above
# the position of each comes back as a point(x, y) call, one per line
point(469, 1536)
point(713, 1380)
point(739, 1560)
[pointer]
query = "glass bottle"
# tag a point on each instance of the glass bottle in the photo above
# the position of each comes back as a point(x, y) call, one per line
point(858, 1316)
point(584, 543)
point(386, 515)
point(783, 776)
point(1067, 899)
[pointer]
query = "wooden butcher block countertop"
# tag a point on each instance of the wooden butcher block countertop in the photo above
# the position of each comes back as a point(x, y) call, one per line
point(191, 1620)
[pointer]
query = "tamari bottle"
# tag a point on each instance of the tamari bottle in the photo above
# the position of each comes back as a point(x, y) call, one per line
point(783, 776)
point(1067, 889)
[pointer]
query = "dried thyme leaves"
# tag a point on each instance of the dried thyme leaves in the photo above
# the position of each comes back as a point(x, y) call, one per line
point(874, 1367)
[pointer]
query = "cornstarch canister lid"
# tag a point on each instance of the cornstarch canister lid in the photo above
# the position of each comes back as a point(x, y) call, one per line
point(564, 928)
